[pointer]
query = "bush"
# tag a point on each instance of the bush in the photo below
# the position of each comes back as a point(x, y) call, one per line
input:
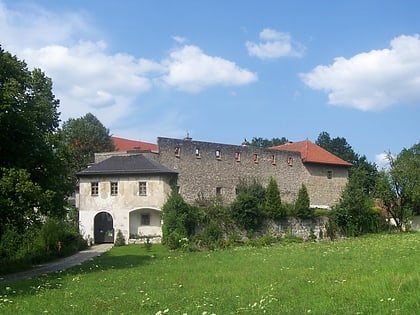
point(119, 240)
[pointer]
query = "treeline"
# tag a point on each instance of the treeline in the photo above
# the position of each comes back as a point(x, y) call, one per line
point(38, 163)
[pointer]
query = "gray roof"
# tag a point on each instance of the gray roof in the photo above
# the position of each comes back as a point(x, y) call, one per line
point(126, 165)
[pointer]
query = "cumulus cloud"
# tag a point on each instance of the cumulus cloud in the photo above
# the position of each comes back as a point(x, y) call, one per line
point(372, 80)
point(190, 69)
point(87, 78)
point(274, 44)
point(382, 161)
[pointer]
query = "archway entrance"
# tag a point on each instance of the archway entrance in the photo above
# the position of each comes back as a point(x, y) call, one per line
point(103, 228)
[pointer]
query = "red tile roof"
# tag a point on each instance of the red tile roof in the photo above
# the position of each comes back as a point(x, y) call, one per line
point(312, 153)
point(122, 144)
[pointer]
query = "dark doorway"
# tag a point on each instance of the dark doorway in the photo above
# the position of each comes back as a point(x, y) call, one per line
point(104, 231)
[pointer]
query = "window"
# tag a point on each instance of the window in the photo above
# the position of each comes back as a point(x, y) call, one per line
point(177, 152)
point(218, 190)
point(218, 154)
point(273, 159)
point(290, 161)
point(255, 158)
point(197, 153)
point(329, 174)
point(145, 219)
point(142, 188)
point(237, 156)
point(114, 188)
point(94, 188)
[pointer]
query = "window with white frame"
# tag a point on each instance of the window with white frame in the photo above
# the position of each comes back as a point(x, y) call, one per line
point(94, 188)
point(142, 188)
point(114, 188)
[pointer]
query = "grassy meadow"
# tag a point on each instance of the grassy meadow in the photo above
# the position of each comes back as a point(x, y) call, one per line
point(375, 274)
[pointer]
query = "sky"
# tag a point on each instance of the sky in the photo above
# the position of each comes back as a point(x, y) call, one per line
point(225, 71)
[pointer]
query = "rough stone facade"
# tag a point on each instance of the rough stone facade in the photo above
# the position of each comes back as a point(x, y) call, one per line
point(210, 169)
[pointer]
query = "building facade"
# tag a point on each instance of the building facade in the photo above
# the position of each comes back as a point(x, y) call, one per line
point(126, 190)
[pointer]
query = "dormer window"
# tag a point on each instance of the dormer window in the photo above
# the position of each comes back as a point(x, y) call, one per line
point(218, 154)
point(177, 152)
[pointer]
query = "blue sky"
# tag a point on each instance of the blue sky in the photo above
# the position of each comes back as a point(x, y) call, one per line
point(228, 70)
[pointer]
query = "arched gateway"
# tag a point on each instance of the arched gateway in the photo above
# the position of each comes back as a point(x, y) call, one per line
point(103, 228)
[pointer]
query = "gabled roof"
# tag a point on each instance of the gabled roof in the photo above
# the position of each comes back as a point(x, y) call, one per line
point(312, 153)
point(126, 165)
point(122, 144)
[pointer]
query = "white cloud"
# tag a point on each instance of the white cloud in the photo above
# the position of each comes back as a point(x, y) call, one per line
point(373, 80)
point(87, 78)
point(274, 44)
point(190, 69)
point(382, 161)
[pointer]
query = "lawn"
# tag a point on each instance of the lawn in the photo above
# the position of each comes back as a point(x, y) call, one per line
point(376, 274)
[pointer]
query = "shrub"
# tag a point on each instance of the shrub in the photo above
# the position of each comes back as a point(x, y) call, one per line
point(273, 207)
point(302, 204)
point(119, 240)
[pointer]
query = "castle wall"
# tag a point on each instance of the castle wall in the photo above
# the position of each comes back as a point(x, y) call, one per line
point(201, 172)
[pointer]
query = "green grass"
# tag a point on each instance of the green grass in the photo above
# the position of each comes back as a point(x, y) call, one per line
point(377, 274)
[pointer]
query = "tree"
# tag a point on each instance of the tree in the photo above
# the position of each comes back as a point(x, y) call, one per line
point(399, 188)
point(302, 204)
point(337, 146)
point(273, 207)
point(28, 122)
point(179, 220)
point(354, 214)
point(247, 208)
point(265, 143)
point(86, 136)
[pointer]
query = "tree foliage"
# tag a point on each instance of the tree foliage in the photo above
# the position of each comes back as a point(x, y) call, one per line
point(354, 214)
point(248, 207)
point(399, 187)
point(337, 146)
point(179, 220)
point(266, 143)
point(86, 136)
point(30, 152)
point(273, 207)
point(302, 204)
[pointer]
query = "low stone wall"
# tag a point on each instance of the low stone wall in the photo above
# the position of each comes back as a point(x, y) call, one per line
point(302, 228)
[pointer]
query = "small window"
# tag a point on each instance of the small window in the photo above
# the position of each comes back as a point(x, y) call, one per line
point(218, 154)
point(329, 174)
point(237, 156)
point(145, 219)
point(273, 159)
point(142, 188)
point(218, 190)
point(255, 158)
point(177, 152)
point(197, 153)
point(290, 161)
point(114, 188)
point(94, 188)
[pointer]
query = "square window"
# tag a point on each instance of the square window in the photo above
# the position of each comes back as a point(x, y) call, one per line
point(114, 188)
point(237, 156)
point(94, 188)
point(145, 219)
point(142, 188)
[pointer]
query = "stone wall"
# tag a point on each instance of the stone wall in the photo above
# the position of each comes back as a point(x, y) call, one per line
point(302, 228)
point(212, 169)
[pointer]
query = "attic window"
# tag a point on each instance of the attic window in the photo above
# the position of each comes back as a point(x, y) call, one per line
point(197, 153)
point(237, 156)
point(290, 161)
point(177, 152)
point(255, 158)
point(329, 174)
point(218, 154)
